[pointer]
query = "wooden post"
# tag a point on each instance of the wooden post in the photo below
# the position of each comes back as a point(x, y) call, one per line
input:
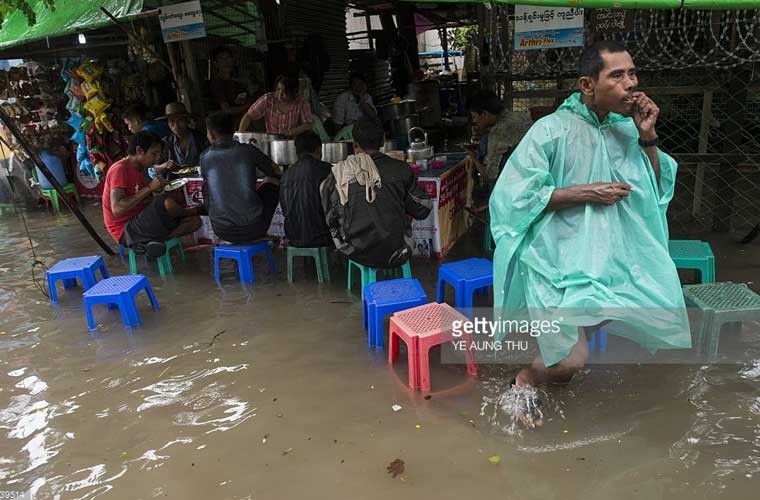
point(704, 133)
point(196, 102)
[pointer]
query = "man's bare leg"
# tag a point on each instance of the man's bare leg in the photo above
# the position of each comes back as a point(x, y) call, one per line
point(177, 211)
point(562, 372)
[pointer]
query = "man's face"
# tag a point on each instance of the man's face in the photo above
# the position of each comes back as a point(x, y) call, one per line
point(150, 157)
point(482, 121)
point(358, 87)
point(178, 126)
point(224, 62)
point(613, 89)
point(133, 124)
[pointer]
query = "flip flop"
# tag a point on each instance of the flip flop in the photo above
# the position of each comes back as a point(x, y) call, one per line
point(154, 249)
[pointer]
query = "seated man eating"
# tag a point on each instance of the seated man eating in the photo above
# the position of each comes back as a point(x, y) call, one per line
point(366, 200)
point(299, 195)
point(239, 212)
point(131, 214)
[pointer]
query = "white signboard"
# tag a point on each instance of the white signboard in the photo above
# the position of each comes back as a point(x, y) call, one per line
point(548, 28)
point(182, 21)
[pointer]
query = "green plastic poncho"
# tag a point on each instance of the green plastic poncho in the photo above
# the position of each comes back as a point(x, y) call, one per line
point(592, 262)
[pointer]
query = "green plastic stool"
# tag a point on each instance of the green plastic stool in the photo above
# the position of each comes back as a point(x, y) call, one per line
point(369, 274)
point(720, 303)
point(52, 194)
point(164, 262)
point(320, 260)
point(4, 207)
point(694, 254)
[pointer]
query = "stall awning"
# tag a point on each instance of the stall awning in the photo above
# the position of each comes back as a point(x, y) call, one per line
point(70, 16)
point(622, 4)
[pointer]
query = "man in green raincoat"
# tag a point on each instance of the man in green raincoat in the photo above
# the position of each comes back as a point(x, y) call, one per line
point(578, 217)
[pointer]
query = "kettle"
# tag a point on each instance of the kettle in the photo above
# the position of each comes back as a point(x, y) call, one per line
point(419, 150)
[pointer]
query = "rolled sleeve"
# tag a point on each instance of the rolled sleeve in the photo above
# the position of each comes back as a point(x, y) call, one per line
point(259, 108)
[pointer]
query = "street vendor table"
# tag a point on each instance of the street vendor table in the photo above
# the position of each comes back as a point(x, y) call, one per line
point(450, 188)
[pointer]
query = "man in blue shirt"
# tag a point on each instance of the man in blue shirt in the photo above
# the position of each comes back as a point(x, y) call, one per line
point(135, 118)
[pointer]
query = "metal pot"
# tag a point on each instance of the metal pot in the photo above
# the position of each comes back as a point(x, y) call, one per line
point(389, 145)
point(419, 150)
point(283, 152)
point(333, 152)
point(258, 139)
point(402, 126)
point(395, 111)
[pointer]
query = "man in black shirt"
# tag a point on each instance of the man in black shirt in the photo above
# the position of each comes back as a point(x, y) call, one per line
point(239, 212)
point(299, 195)
point(367, 199)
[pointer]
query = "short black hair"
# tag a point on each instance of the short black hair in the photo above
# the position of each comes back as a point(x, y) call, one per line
point(591, 62)
point(145, 139)
point(222, 49)
point(307, 143)
point(135, 112)
point(485, 101)
point(368, 134)
point(357, 76)
point(220, 123)
point(291, 85)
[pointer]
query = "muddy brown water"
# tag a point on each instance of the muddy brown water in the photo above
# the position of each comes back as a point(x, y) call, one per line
point(289, 403)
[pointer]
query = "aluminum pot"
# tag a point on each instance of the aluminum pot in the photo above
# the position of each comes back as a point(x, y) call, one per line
point(389, 145)
point(333, 152)
point(402, 126)
point(283, 152)
point(258, 139)
point(395, 111)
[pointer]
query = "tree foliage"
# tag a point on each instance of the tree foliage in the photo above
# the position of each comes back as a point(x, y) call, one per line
point(461, 38)
point(10, 6)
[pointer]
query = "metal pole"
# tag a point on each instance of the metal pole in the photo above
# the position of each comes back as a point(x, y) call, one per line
point(56, 185)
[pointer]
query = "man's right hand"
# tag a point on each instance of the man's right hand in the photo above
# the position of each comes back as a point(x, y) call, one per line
point(607, 193)
point(157, 184)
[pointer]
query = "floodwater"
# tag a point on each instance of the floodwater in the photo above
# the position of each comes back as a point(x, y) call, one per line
point(288, 402)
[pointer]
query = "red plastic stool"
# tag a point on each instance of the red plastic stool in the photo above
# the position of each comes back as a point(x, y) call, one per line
point(421, 328)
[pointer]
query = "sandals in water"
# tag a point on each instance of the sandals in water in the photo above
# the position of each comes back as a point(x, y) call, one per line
point(154, 249)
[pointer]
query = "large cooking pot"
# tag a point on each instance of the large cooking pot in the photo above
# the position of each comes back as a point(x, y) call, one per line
point(394, 111)
point(283, 152)
point(258, 139)
point(333, 152)
point(402, 126)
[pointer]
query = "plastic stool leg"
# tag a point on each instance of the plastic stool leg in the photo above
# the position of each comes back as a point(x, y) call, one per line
point(88, 279)
point(134, 314)
point(440, 290)
point(365, 315)
point(423, 368)
point(376, 330)
point(393, 347)
point(126, 313)
point(407, 270)
point(270, 259)
point(121, 251)
point(151, 297)
point(350, 281)
point(52, 290)
point(592, 342)
point(290, 266)
point(132, 262)
point(88, 314)
point(54, 201)
point(602, 334)
point(104, 272)
point(325, 264)
point(320, 271)
point(216, 268)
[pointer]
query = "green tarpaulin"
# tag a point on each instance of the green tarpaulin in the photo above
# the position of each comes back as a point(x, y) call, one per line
point(622, 4)
point(70, 16)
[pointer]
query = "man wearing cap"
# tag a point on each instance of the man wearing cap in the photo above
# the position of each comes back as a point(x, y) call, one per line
point(185, 145)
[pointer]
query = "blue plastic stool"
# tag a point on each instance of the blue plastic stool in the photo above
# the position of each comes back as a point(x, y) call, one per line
point(598, 341)
point(387, 297)
point(468, 276)
point(121, 291)
point(69, 270)
point(243, 255)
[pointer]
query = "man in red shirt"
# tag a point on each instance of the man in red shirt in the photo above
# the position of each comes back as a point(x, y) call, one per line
point(131, 214)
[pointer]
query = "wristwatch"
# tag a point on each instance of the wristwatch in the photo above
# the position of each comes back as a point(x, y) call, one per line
point(649, 144)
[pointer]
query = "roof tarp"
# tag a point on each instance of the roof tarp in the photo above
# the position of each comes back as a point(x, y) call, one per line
point(622, 4)
point(69, 16)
